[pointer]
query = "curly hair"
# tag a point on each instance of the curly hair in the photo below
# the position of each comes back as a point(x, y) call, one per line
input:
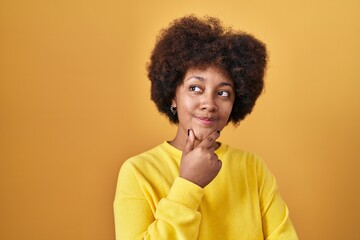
point(190, 42)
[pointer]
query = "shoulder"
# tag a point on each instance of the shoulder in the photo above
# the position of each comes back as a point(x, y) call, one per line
point(146, 156)
point(241, 160)
point(134, 165)
point(238, 155)
point(157, 157)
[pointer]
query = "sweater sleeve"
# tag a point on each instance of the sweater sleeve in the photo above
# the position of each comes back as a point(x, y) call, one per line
point(275, 214)
point(176, 216)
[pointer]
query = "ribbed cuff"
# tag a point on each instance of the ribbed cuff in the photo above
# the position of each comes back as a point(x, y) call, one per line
point(186, 193)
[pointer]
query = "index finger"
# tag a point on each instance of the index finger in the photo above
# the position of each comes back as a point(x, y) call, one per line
point(209, 141)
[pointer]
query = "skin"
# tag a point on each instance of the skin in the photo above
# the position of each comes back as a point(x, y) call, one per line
point(204, 102)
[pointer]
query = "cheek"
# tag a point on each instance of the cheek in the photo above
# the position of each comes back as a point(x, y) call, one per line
point(226, 110)
point(188, 105)
point(185, 111)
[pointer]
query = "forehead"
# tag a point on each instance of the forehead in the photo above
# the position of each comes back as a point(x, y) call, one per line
point(207, 73)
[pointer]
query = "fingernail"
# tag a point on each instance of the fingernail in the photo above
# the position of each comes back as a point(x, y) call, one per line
point(188, 132)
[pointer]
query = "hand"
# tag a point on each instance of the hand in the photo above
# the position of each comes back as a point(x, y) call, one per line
point(200, 165)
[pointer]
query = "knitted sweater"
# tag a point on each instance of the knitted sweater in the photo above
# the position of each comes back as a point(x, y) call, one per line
point(242, 202)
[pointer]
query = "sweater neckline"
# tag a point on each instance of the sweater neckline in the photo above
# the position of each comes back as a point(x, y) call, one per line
point(175, 151)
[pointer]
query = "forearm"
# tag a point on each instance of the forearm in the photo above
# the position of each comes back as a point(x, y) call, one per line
point(176, 216)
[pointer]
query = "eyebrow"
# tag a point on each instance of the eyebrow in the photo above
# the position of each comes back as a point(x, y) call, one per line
point(203, 79)
point(196, 77)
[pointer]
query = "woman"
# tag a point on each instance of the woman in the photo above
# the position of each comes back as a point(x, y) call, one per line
point(193, 187)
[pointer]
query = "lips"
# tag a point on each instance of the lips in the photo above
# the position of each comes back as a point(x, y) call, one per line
point(207, 121)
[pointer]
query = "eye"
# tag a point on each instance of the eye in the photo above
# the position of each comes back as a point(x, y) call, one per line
point(224, 93)
point(195, 89)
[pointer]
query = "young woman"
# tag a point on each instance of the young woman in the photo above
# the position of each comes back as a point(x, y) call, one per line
point(203, 76)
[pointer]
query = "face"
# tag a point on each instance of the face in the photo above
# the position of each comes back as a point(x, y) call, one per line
point(204, 102)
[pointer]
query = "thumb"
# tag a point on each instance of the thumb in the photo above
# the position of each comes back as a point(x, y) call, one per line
point(189, 145)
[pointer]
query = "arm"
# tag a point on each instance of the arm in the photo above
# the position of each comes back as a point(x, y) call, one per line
point(174, 217)
point(275, 214)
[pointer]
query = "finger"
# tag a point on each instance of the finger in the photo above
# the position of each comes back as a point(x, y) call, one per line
point(219, 163)
point(216, 159)
point(189, 145)
point(209, 141)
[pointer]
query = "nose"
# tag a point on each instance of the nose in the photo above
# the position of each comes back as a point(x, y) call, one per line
point(208, 103)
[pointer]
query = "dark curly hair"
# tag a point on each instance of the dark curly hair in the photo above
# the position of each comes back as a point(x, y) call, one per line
point(190, 42)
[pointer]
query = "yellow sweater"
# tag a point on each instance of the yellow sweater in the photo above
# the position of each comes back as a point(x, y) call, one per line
point(241, 203)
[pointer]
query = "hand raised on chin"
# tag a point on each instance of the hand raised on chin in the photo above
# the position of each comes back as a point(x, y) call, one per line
point(200, 164)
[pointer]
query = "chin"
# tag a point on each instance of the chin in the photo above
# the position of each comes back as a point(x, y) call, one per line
point(201, 133)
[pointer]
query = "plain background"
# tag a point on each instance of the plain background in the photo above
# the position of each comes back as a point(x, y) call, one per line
point(74, 101)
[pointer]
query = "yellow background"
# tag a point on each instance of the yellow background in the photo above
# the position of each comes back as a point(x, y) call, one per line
point(74, 104)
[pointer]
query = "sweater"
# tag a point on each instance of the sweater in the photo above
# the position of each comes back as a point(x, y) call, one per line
point(242, 202)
